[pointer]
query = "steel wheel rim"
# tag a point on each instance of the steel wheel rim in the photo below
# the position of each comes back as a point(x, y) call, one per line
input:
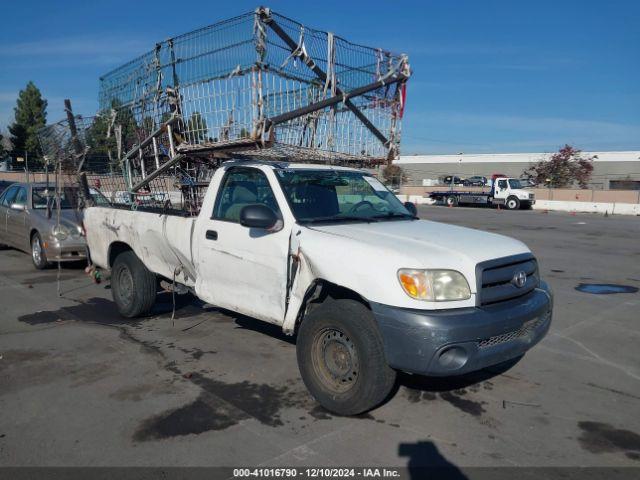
point(125, 285)
point(335, 360)
point(512, 204)
point(36, 250)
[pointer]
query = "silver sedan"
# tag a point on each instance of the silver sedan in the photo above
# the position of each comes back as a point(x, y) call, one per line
point(29, 222)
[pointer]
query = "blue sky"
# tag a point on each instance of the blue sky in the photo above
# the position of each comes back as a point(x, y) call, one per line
point(489, 76)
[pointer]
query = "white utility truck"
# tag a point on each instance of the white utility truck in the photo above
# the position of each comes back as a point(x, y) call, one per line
point(504, 191)
point(332, 256)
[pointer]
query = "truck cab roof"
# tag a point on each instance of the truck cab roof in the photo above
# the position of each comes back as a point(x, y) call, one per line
point(288, 165)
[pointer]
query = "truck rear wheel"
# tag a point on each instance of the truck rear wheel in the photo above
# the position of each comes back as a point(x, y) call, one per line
point(341, 357)
point(451, 201)
point(513, 203)
point(133, 286)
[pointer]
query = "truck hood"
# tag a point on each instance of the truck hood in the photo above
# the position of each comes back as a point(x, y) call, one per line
point(430, 242)
point(368, 255)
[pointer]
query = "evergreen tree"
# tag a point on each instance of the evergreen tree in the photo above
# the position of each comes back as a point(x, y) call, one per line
point(3, 152)
point(30, 116)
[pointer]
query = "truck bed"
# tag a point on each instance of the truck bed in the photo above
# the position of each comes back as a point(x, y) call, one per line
point(160, 241)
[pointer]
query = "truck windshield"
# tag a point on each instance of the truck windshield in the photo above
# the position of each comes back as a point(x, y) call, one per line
point(514, 184)
point(337, 196)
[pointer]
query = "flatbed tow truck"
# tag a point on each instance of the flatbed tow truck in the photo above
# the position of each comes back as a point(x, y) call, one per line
point(505, 191)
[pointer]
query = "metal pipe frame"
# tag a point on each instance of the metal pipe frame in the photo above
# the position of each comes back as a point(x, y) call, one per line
point(266, 17)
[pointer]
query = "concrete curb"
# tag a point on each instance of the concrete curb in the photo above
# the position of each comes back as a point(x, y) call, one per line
point(556, 205)
point(589, 207)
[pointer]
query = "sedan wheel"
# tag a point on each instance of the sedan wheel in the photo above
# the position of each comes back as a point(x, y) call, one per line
point(38, 254)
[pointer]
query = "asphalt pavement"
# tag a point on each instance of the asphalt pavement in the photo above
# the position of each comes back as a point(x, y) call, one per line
point(80, 386)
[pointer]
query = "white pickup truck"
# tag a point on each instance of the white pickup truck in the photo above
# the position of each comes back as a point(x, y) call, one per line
point(335, 258)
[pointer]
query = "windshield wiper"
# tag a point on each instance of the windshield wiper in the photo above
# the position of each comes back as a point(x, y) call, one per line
point(341, 218)
point(390, 215)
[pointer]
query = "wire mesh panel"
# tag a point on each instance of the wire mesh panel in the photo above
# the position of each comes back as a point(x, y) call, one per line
point(257, 86)
point(256, 83)
point(65, 144)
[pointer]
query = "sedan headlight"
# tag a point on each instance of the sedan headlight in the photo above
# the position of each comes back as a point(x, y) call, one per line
point(434, 285)
point(60, 232)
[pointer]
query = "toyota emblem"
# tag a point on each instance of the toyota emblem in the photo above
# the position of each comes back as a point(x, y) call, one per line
point(519, 279)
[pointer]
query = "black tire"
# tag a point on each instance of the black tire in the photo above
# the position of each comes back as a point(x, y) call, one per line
point(38, 255)
point(133, 286)
point(512, 203)
point(451, 201)
point(341, 357)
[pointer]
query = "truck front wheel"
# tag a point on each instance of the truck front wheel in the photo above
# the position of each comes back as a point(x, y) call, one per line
point(513, 203)
point(341, 357)
point(133, 286)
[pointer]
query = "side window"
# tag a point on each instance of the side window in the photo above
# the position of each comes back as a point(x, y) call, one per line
point(21, 197)
point(241, 187)
point(502, 184)
point(9, 196)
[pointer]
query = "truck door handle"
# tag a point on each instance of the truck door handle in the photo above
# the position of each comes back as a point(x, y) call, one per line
point(211, 235)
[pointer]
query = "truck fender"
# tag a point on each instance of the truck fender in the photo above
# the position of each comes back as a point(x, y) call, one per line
point(302, 288)
point(307, 287)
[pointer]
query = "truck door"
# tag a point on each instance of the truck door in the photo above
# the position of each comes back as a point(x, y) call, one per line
point(240, 268)
point(501, 189)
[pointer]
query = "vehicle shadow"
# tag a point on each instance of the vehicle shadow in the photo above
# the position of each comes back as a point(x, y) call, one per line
point(433, 385)
point(425, 461)
point(270, 329)
point(79, 264)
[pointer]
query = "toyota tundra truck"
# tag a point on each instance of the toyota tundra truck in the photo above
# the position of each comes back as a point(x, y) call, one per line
point(333, 257)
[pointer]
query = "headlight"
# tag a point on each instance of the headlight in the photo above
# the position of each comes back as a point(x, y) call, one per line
point(60, 232)
point(434, 285)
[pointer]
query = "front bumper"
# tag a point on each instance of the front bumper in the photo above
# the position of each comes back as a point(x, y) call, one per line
point(69, 250)
point(457, 341)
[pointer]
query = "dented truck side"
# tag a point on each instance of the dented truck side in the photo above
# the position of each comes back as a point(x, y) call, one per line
point(367, 287)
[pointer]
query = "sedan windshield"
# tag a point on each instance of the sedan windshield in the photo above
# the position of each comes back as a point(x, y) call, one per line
point(69, 197)
point(43, 194)
point(339, 196)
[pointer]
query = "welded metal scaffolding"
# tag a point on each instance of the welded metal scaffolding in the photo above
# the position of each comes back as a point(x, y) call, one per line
point(258, 85)
point(261, 82)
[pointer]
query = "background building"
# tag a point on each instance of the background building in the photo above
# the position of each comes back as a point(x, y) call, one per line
point(611, 170)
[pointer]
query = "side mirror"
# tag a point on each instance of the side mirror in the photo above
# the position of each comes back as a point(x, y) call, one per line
point(412, 208)
point(18, 206)
point(257, 216)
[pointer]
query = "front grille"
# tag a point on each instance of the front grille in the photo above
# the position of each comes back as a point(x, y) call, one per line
point(531, 196)
point(496, 278)
point(526, 330)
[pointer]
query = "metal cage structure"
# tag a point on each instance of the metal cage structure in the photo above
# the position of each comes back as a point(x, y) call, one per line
point(256, 86)
point(261, 84)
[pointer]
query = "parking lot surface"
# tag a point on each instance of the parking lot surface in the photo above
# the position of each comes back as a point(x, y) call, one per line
point(80, 386)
